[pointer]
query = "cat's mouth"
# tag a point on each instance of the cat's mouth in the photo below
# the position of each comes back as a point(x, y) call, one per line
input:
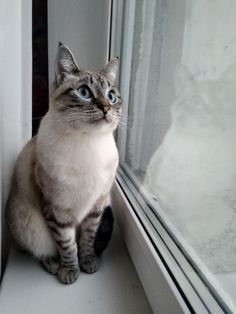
point(104, 118)
point(99, 120)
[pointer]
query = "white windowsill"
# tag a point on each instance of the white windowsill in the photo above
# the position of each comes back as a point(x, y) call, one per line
point(160, 289)
point(114, 289)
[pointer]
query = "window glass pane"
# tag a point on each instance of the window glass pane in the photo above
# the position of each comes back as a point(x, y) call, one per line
point(180, 143)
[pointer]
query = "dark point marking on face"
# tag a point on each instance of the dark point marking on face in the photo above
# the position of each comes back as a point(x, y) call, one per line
point(102, 81)
point(68, 99)
point(85, 79)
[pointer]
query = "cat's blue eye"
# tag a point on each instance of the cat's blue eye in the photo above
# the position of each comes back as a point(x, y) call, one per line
point(112, 97)
point(84, 92)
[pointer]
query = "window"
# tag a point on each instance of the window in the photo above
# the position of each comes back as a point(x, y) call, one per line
point(177, 137)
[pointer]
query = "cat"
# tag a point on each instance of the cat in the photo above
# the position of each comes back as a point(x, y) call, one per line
point(64, 174)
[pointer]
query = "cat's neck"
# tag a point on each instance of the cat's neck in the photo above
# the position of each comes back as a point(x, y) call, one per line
point(52, 125)
point(53, 135)
point(56, 146)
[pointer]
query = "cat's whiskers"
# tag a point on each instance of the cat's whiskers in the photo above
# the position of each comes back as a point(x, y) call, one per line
point(62, 105)
point(117, 116)
point(89, 117)
point(128, 118)
point(123, 125)
point(73, 112)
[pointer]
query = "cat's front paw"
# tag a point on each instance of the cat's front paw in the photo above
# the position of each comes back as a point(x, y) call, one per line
point(68, 275)
point(89, 264)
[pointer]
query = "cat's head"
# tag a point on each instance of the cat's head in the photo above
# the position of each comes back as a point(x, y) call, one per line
point(85, 100)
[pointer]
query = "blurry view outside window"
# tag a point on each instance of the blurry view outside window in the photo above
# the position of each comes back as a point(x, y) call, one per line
point(180, 138)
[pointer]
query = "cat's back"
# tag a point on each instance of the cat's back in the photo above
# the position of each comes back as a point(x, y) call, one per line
point(22, 185)
point(25, 222)
point(23, 180)
point(26, 162)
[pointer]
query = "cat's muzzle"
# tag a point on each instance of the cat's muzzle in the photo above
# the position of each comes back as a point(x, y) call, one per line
point(102, 104)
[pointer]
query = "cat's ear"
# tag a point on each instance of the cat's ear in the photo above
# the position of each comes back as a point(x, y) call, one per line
point(65, 63)
point(110, 70)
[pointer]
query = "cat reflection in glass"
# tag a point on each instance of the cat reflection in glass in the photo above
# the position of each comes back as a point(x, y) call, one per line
point(63, 176)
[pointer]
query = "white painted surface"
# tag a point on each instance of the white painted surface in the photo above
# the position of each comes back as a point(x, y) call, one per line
point(228, 284)
point(114, 289)
point(84, 27)
point(161, 291)
point(125, 72)
point(15, 89)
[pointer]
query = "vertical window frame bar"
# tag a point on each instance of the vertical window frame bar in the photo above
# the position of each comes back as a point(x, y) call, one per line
point(126, 52)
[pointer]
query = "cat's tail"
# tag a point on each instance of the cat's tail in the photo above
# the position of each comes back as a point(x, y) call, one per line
point(104, 231)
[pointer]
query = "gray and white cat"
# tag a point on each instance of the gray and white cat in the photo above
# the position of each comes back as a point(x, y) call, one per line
point(64, 175)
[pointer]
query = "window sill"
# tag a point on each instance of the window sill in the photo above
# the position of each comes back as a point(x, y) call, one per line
point(115, 288)
point(168, 288)
point(160, 289)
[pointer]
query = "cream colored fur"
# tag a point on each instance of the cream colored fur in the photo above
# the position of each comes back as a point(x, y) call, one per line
point(81, 168)
point(71, 166)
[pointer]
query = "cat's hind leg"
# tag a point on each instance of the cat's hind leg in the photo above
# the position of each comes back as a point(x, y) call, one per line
point(51, 264)
point(28, 229)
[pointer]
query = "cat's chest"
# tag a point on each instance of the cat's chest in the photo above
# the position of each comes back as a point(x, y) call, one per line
point(85, 163)
point(80, 169)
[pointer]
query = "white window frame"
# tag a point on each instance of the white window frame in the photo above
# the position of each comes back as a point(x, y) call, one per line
point(171, 283)
point(15, 96)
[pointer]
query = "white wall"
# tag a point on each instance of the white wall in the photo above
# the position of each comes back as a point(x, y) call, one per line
point(84, 27)
point(15, 92)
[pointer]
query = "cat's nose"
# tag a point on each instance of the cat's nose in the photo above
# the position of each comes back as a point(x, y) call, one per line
point(102, 104)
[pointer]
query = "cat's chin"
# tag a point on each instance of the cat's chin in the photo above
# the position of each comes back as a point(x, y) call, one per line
point(100, 120)
point(106, 120)
point(104, 124)
point(97, 126)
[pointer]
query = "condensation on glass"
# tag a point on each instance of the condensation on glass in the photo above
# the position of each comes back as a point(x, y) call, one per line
point(181, 137)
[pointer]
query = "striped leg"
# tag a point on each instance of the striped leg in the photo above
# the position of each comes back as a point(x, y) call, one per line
point(64, 236)
point(89, 227)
